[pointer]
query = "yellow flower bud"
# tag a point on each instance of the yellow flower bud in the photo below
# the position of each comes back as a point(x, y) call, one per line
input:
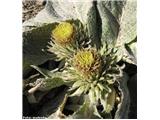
point(63, 33)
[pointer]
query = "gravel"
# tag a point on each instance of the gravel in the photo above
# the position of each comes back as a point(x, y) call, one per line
point(31, 8)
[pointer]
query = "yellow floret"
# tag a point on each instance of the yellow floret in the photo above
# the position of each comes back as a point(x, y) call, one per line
point(87, 62)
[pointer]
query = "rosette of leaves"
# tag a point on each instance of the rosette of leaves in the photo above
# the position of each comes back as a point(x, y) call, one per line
point(98, 34)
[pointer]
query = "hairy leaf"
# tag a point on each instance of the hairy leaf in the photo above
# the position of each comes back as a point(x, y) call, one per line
point(127, 31)
point(46, 73)
point(110, 25)
point(50, 83)
point(34, 42)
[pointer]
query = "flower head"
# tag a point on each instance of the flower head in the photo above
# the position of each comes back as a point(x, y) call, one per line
point(87, 61)
point(63, 33)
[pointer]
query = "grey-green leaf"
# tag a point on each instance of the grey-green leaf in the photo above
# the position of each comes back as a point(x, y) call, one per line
point(46, 73)
point(110, 25)
point(115, 7)
point(94, 26)
point(128, 31)
point(51, 83)
point(34, 42)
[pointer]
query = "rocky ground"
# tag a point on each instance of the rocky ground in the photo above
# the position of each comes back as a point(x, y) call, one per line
point(30, 8)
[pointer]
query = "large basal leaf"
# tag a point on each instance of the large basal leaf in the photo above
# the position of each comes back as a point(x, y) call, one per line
point(115, 7)
point(109, 12)
point(46, 73)
point(127, 35)
point(67, 9)
point(52, 79)
point(50, 83)
point(34, 42)
point(94, 26)
point(128, 19)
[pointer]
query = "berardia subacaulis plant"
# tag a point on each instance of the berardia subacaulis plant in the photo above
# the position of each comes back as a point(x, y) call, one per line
point(95, 70)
